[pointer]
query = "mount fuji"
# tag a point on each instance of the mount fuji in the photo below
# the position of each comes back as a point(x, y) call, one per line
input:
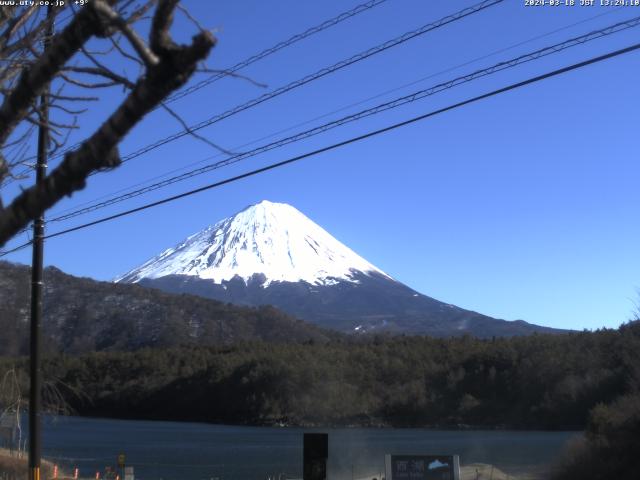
point(271, 239)
point(270, 253)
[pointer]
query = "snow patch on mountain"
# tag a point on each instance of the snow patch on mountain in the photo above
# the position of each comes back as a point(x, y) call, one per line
point(273, 239)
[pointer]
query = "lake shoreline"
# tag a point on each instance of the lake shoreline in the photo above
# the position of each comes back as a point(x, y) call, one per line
point(468, 472)
point(338, 425)
point(193, 451)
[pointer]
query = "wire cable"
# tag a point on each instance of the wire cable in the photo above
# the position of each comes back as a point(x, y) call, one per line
point(346, 107)
point(364, 7)
point(277, 47)
point(317, 75)
point(309, 78)
point(513, 86)
point(398, 102)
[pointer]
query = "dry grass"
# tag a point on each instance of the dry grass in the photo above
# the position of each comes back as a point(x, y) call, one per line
point(14, 466)
point(482, 471)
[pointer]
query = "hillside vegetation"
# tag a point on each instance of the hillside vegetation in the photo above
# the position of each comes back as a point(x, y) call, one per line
point(540, 381)
point(83, 315)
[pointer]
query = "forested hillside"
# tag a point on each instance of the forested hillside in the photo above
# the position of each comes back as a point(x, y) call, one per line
point(540, 381)
point(83, 315)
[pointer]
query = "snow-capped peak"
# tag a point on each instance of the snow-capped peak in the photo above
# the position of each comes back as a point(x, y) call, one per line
point(273, 239)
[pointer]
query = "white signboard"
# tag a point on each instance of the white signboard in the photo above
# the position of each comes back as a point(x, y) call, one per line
point(422, 467)
point(128, 473)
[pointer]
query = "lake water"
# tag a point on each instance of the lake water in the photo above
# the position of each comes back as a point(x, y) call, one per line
point(194, 451)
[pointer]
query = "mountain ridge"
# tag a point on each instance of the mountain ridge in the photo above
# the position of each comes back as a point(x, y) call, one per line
point(373, 305)
point(84, 315)
point(270, 253)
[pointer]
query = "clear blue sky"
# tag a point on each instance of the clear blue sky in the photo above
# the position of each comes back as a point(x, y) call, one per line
point(523, 206)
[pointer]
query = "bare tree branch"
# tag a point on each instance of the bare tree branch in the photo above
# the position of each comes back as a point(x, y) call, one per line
point(193, 20)
point(194, 134)
point(124, 53)
point(141, 12)
point(14, 23)
point(103, 72)
point(233, 75)
point(20, 139)
point(149, 58)
point(75, 98)
point(33, 80)
point(160, 39)
point(67, 110)
point(59, 144)
point(175, 65)
point(81, 84)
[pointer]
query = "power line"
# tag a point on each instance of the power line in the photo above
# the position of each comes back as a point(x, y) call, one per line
point(279, 46)
point(4, 253)
point(311, 77)
point(351, 105)
point(28, 170)
point(317, 75)
point(364, 7)
point(406, 99)
point(349, 141)
point(374, 110)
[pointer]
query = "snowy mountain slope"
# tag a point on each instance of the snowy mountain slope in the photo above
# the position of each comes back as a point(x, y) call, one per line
point(272, 239)
point(375, 303)
point(271, 254)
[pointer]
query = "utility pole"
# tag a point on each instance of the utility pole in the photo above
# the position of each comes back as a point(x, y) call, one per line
point(35, 373)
